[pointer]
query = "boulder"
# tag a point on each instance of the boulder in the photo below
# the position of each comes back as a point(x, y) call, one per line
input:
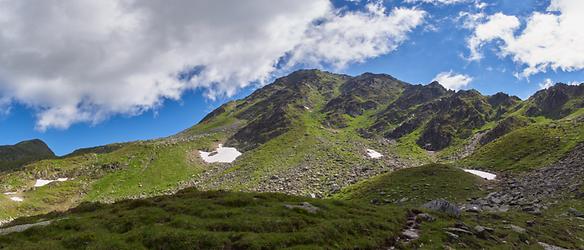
point(410, 234)
point(443, 206)
point(304, 206)
point(550, 247)
point(517, 229)
point(575, 213)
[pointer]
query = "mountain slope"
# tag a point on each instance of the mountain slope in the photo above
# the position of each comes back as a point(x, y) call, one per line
point(309, 133)
point(323, 135)
point(18, 155)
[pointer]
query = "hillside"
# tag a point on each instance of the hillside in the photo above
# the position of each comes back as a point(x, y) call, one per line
point(215, 220)
point(319, 134)
point(386, 211)
point(22, 153)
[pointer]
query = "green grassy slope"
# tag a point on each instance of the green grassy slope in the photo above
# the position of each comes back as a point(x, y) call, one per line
point(219, 220)
point(536, 145)
point(214, 220)
point(416, 186)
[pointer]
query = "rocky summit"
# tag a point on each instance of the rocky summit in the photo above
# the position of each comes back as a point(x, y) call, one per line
point(318, 159)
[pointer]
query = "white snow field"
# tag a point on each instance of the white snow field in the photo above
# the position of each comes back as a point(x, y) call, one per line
point(41, 182)
point(17, 199)
point(482, 174)
point(221, 154)
point(374, 154)
point(13, 197)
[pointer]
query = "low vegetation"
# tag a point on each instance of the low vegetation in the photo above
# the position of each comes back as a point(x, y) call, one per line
point(509, 230)
point(416, 186)
point(214, 220)
point(534, 146)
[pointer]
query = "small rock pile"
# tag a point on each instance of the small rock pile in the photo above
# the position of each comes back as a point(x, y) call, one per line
point(411, 231)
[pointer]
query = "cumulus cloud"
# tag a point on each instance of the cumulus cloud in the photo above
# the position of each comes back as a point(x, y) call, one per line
point(549, 40)
point(470, 20)
point(547, 83)
point(498, 26)
point(443, 2)
point(83, 61)
point(4, 106)
point(356, 36)
point(452, 81)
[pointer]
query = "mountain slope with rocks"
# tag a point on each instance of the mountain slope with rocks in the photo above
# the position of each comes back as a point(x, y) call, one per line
point(323, 135)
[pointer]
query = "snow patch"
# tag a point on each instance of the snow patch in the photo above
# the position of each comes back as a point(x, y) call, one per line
point(482, 174)
point(221, 154)
point(374, 154)
point(17, 199)
point(41, 182)
point(13, 197)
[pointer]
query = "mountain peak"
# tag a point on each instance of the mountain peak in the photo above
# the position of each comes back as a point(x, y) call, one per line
point(556, 101)
point(435, 84)
point(22, 153)
point(375, 75)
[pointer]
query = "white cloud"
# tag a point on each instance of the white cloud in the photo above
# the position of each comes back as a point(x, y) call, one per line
point(453, 81)
point(547, 83)
point(498, 25)
point(470, 20)
point(83, 61)
point(480, 5)
point(550, 40)
point(4, 106)
point(356, 36)
point(437, 2)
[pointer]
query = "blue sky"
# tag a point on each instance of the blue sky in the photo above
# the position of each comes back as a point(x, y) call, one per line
point(70, 110)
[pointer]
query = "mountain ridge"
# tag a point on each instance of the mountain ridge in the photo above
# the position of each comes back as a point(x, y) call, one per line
point(310, 134)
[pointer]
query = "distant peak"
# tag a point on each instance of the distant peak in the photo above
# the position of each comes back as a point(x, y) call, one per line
point(304, 71)
point(375, 75)
point(32, 141)
point(469, 92)
point(435, 84)
point(500, 94)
